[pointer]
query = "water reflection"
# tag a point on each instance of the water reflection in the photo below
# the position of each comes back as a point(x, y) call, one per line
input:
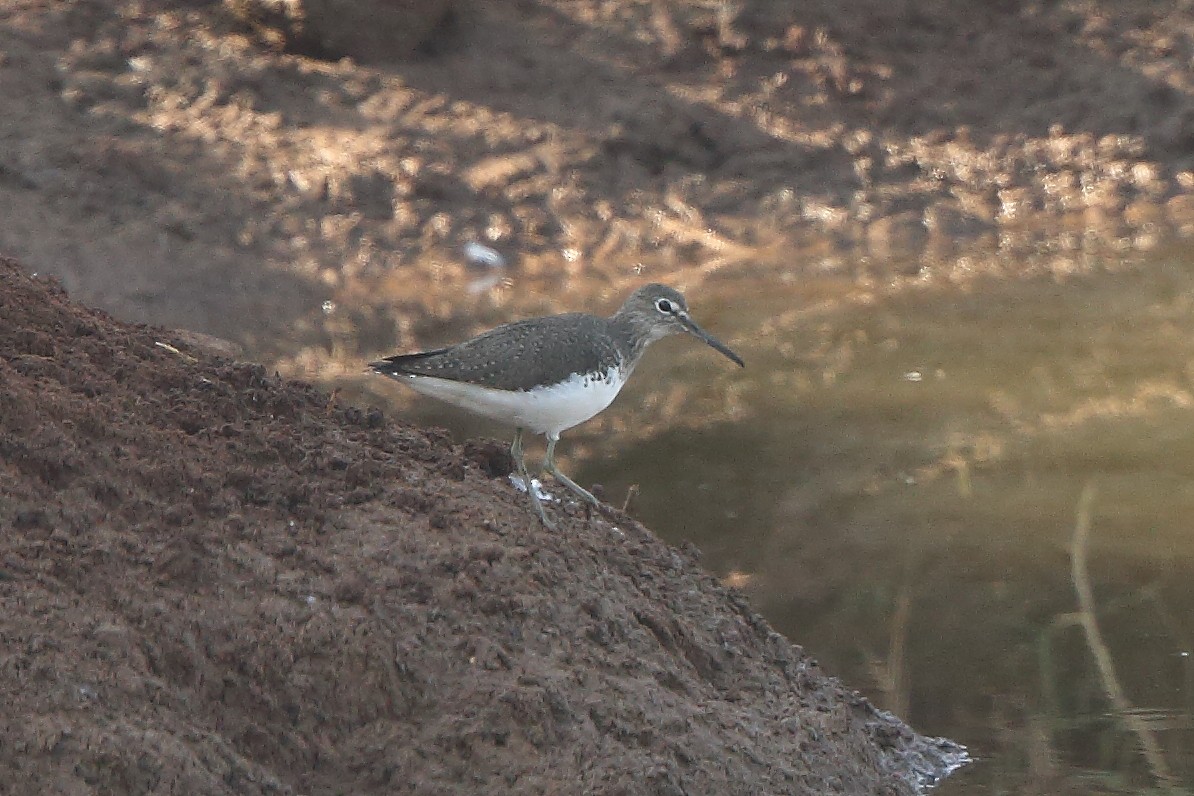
point(896, 481)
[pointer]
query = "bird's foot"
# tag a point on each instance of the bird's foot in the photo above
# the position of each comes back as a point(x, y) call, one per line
point(524, 482)
point(580, 491)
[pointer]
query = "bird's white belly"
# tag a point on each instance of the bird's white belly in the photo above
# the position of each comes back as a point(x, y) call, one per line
point(543, 410)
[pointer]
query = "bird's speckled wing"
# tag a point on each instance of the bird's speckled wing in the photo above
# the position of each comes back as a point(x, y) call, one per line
point(516, 356)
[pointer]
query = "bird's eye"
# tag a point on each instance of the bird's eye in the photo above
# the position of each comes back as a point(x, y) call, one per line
point(665, 306)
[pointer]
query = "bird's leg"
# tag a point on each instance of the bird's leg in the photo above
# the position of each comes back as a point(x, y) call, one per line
point(549, 464)
point(520, 462)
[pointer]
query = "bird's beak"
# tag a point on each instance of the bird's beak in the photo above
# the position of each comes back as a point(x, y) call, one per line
point(697, 331)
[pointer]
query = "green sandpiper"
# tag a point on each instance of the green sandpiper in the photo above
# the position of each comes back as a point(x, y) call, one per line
point(549, 374)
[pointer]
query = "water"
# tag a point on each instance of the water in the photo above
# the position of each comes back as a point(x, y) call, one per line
point(902, 478)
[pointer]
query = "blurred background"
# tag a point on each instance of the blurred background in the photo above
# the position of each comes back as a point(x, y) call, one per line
point(950, 239)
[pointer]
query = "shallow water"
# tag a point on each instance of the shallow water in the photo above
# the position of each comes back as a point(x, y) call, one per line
point(897, 480)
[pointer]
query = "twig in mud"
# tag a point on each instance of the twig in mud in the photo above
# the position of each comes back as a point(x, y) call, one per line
point(175, 351)
point(1086, 617)
point(891, 675)
point(631, 494)
point(899, 693)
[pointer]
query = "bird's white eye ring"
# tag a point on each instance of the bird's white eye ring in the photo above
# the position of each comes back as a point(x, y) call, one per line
point(665, 306)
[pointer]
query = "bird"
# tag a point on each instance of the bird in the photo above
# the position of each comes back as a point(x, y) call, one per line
point(546, 375)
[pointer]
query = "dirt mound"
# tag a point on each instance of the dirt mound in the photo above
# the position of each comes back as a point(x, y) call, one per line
point(216, 581)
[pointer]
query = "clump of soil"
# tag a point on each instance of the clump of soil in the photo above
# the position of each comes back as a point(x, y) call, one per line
point(361, 29)
point(216, 581)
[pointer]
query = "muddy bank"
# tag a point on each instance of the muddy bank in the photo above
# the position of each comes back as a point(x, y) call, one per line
point(172, 166)
point(216, 581)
